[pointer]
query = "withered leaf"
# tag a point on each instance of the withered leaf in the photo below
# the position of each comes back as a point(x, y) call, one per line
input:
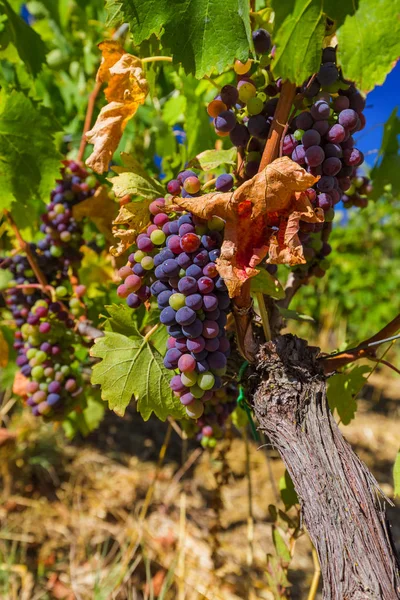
point(127, 89)
point(277, 189)
point(133, 217)
point(4, 351)
point(100, 209)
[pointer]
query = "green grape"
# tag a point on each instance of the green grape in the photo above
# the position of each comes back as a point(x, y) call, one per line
point(177, 301)
point(247, 91)
point(216, 224)
point(298, 134)
point(255, 106)
point(37, 372)
point(76, 311)
point(182, 273)
point(43, 386)
point(65, 370)
point(262, 96)
point(61, 291)
point(91, 181)
point(329, 215)
point(189, 379)
point(31, 353)
point(197, 392)
point(56, 251)
point(59, 209)
point(40, 303)
point(212, 442)
point(201, 229)
point(157, 237)
point(221, 372)
point(265, 61)
point(195, 409)
point(147, 262)
point(204, 442)
point(40, 357)
point(75, 303)
point(206, 380)
point(139, 255)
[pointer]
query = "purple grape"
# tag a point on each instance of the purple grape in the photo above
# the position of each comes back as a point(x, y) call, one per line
point(176, 384)
point(314, 156)
point(196, 345)
point(163, 298)
point(170, 267)
point(194, 301)
point(240, 136)
point(331, 166)
point(225, 121)
point(172, 356)
point(299, 155)
point(333, 150)
point(167, 316)
point(289, 144)
point(304, 121)
point(328, 74)
point(185, 316)
point(311, 137)
point(194, 271)
point(320, 110)
point(224, 183)
point(187, 286)
point(329, 55)
point(326, 183)
point(324, 202)
point(336, 134)
point(210, 302)
point(193, 330)
point(229, 95)
point(210, 329)
point(258, 126)
point(322, 127)
point(261, 41)
point(352, 157)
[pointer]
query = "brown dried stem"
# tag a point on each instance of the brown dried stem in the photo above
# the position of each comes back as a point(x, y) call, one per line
point(363, 350)
point(26, 248)
point(88, 119)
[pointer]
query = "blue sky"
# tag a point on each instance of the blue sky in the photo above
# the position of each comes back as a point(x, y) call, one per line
point(380, 103)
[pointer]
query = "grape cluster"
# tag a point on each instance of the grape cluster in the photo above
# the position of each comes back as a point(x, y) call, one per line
point(175, 261)
point(45, 346)
point(211, 426)
point(44, 335)
point(357, 194)
point(63, 235)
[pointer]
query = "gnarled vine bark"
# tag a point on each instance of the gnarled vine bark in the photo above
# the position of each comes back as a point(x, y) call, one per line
point(342, 506)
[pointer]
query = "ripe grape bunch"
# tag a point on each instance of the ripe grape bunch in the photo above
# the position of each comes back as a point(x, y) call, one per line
point(44, 334)
point(175, 262)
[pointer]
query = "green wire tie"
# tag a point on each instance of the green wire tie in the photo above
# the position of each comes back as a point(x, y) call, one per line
point(242, 403)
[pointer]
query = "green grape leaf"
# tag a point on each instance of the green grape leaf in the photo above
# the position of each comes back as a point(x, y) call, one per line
point(207, 43)
point(288, 313)
point(121, 319)
point(86, 421)
point(386, 172)
point(280, 545)
point(29, 161)
point(174, 110)
point(131, 366)
point(299, 29)
point(396, 475)
point(338, 10)
point(197, 125)
point(288, 493)
point(209, 160)
point(342, 391)
point(30, 46)
point(369, 43)
point(132, 179)
point(265, 283)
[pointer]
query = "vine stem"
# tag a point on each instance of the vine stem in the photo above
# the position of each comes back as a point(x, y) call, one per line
point(209, 183)
point(88, 119)
point(149, 59)
point(150, 333)
point(316, 577)
point(264, 316)
point(29, 254)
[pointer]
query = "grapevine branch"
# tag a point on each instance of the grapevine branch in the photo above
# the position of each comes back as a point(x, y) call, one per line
point(243, 303)
point(364, 350)
point(88, 119)
point(26, 248)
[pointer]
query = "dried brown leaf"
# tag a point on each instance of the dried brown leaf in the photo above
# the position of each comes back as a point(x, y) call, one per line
point(100, 209)
point(277, 189)
point(3, 351)
point(127, 89)
point(134, 217)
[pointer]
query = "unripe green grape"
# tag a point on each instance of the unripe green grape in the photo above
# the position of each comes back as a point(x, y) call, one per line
point(189, 378)
point(206, 380)
point(74, 303)
point(61, 291)
point(177, 301)
point(65, 370)
point(216, 224)
point(204, 442)
point(34, 340)
point(157, 237)
point(247, 91)
point(255, 106)
point(220, 372)
point(40, 303)
point(212, 442)
point(182, 273)
point(351, 190)
point(195, 409)
point(43, 386)
point(56, 251)
point(37, 372)
point(298, 134)
point(201, 229)
point(29, 273)
point(262, 96)
point(65, 236)
point(59, 209)
point(76, 311)
point(197, 392)
point(91, 181)
point(147, 262)
point(40, 357)
point(31, 353)
point(139, 255)
point(329, 215)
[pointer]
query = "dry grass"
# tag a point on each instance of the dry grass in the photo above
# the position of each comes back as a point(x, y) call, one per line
point(73, 524)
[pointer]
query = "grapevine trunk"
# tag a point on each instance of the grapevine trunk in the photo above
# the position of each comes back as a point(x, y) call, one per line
point(342, 506)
